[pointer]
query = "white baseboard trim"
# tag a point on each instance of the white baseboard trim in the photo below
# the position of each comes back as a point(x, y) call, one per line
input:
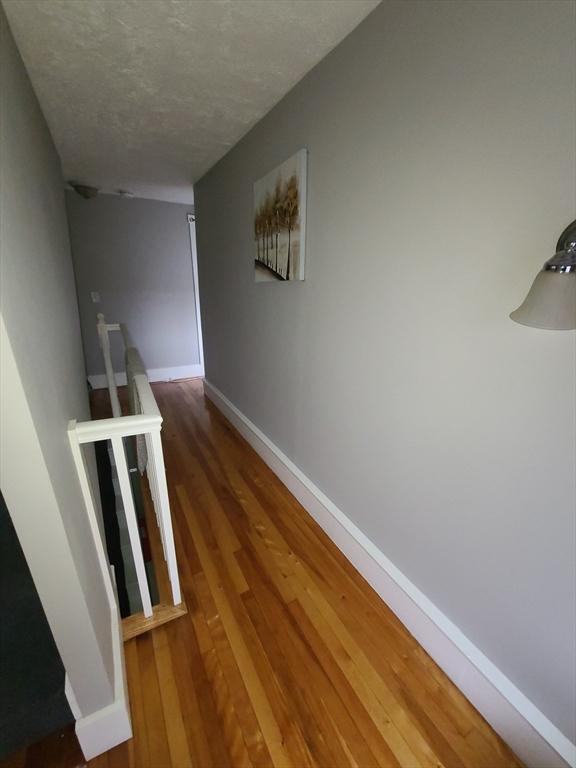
point(534, 738)
point(98, 380)
point(104, 729)
point(107, 727)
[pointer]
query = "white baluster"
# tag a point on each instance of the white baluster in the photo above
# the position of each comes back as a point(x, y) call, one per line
point(157, 459)
point(132, 522)
point(151, 472)
point(110, 377)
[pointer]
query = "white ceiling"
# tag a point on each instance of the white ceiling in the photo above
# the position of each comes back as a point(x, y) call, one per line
point(147, 95)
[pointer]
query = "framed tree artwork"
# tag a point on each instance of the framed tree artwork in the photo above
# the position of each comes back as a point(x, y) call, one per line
point(280, 221)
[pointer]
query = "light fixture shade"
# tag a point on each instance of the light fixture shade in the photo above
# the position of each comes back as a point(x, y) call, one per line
point(550, 303)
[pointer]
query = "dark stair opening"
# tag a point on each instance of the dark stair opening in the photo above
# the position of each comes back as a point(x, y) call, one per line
point(121, 558)
point(111, 527)
point(118, 550)
point(32, 699)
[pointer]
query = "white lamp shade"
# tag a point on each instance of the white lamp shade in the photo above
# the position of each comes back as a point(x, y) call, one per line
point(550, 303)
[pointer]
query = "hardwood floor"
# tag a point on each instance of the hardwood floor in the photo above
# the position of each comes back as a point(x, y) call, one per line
point(286, 656)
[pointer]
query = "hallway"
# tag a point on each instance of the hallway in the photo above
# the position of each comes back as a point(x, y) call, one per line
point(287, 657)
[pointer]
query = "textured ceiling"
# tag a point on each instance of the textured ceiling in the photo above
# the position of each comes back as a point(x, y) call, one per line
point(146, 95)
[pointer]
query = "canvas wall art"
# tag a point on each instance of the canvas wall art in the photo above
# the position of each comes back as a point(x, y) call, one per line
point(280, 221)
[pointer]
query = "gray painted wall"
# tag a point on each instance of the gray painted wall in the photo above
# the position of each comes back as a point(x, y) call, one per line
point(136, 254)
point(441, 171)
point(43, 387)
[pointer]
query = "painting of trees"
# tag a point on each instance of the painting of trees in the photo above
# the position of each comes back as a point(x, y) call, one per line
point(279, 221)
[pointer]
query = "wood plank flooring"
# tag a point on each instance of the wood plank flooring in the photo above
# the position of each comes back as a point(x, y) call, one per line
point(286, 657)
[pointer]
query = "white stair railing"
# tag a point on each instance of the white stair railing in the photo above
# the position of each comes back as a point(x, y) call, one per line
point(145, 424)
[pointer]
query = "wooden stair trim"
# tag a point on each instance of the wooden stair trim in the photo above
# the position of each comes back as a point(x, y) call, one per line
point(137, 624)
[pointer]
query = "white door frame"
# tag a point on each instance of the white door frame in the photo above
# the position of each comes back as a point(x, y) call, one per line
point(192, 230)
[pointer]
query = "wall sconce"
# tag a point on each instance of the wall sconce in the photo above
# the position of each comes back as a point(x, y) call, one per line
point(551, 301)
